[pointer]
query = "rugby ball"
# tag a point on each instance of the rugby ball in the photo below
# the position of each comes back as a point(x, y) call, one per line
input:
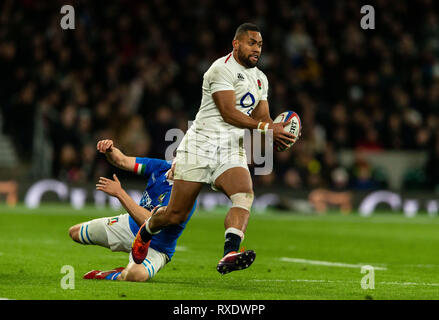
point(294, 127)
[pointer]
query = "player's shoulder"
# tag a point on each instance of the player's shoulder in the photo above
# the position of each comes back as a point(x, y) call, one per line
point(261, 75)
point(224, 61)
point(221, 65)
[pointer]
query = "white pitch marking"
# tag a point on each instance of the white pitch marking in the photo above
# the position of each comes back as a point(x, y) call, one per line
point(421, 265)
point(410, 283)
point(181, 248)
point(342, 281)
point(328, 263)
point(299, 280)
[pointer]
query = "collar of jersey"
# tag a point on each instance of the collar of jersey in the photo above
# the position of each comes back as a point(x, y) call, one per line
point(238, 64)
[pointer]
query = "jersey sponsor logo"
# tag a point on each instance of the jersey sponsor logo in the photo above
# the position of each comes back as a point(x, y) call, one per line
point(240, 76)
point(247, 101)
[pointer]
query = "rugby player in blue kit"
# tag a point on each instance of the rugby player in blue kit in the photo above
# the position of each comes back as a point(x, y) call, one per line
point(117, 233)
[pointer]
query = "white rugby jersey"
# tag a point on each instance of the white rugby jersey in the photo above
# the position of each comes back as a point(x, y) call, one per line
point(250, 86)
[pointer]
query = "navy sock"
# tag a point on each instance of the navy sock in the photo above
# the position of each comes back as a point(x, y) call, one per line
point(145, 235)
point(232, 243)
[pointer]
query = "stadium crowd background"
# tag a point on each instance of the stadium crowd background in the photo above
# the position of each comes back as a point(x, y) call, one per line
point(131, 70)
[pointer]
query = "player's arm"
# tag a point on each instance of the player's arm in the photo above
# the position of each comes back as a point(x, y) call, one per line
point(221, 84)
point(262, 112)
point(223, 94)
point(225, 101)
point(114, 188)
point(115, 156)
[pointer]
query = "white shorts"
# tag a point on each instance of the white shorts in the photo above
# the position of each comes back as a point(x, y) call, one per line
point(115, 234)
point(199, 160)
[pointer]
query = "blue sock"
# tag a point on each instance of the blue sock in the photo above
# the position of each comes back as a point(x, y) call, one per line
point(112, 276)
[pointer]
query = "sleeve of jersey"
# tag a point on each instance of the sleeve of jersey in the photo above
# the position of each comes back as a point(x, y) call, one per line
point(220, 79)
point(146, 166)
point(264, 88)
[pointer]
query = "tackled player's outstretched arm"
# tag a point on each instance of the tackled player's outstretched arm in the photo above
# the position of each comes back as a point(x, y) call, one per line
point(225, 101)
point(116, 157)
point(138, 213)
point(114, 188)
point(120, 160)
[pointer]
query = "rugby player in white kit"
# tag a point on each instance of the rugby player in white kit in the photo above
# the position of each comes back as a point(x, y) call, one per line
point(234, 98)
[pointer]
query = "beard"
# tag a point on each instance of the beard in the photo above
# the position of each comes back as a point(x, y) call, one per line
point(246, 60)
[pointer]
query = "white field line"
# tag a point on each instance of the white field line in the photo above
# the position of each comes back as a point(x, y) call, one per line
point(181, 248)
point(328, 263)
point(395, 283)
point(421, 265)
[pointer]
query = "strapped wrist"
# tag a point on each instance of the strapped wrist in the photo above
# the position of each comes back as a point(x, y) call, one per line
point(263, 126)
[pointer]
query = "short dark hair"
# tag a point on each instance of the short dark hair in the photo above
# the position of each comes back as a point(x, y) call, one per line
point(244, 28)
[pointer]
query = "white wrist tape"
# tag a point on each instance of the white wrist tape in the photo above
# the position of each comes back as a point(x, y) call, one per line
point(263, 127)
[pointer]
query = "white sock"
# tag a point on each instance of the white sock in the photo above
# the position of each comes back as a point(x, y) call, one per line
point(147, 227)
point(235, 231)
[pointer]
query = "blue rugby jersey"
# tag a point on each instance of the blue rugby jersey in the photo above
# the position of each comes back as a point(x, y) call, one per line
point(158, 192)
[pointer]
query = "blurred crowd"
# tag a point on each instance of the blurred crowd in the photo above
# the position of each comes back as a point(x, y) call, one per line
point(131, 70)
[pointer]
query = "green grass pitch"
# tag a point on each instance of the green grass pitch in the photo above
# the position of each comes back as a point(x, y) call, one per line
point(34, 246)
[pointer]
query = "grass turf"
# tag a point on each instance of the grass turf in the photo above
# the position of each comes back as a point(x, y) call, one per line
point(34, 246)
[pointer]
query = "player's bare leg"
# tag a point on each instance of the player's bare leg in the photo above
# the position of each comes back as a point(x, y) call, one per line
point(236, 183)
point(134, 272)
point(233, 181)
point(74, 232)
point(183, 196)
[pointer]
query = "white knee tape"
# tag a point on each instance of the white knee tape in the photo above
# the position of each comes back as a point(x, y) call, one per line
point(242, 200)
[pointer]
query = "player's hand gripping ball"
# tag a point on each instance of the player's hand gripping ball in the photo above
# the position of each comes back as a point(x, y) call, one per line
point(294, 127)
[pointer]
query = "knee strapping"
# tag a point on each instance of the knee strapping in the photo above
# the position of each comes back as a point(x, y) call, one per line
point(242, 200)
